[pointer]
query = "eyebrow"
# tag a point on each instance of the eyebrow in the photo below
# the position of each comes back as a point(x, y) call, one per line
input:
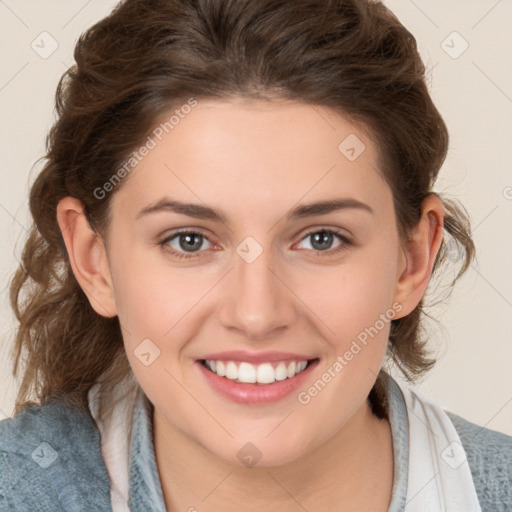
point(199, 211)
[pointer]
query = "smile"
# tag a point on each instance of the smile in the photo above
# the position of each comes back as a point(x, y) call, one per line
point(265, 373)
point(259, 383)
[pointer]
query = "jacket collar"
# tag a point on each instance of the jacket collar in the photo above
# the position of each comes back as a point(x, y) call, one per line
point(145, 488)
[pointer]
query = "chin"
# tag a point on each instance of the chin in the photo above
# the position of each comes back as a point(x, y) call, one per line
point(259, 453)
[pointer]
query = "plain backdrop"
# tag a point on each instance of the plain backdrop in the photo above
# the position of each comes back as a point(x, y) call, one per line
point(467, 48)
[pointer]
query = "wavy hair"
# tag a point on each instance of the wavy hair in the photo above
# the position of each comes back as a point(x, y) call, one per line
point(149, 56)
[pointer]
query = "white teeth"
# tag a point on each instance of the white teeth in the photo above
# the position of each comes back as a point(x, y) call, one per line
point(231, 370)
point(263, 373)
point(281, 372)
point(219, 369)
point(247, 373)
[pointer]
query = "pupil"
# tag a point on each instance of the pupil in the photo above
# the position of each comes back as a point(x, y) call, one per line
point(322, 235)
point(192, 241)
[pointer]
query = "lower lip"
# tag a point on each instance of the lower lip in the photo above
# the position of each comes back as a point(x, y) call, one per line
point(256, 393)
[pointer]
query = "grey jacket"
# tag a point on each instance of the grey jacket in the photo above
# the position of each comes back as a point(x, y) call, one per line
point(50, 460)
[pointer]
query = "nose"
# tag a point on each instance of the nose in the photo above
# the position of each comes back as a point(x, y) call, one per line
point(258, 302)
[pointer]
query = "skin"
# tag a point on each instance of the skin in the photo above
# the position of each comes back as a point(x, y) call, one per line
point(256, 161)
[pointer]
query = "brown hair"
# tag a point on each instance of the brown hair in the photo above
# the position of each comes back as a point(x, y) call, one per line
point(149, 56)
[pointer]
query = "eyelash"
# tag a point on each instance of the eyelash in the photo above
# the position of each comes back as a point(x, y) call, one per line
point(331, 252)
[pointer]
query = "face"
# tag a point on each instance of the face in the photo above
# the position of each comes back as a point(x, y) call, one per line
point(267, 285)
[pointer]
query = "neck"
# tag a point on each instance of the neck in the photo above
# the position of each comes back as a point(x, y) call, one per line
point(354, 468)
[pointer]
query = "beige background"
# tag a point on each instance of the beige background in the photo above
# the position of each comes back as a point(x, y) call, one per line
point(472, 90)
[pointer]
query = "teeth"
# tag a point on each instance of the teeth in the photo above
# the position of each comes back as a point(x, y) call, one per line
point(281, 372)
point(291, 369)
point(265, 374)
point(249, 373)
point(231, 370)
point(217, 367)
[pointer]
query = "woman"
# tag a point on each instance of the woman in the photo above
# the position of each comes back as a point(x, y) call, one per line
point(233, 234)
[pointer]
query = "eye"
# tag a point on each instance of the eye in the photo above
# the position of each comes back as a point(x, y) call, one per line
point(188, 241)
point(322, 240)
point(188, 244)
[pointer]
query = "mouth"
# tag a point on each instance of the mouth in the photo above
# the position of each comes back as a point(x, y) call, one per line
point(258, 383)
point(243, 372)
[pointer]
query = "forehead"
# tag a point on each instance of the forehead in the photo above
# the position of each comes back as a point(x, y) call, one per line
point(278, 131)
point(256, 154)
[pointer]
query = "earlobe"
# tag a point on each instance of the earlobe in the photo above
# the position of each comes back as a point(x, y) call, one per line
point(420, 254)
point(87, 256)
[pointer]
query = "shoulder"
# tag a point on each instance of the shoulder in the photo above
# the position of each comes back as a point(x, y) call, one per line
point(489, 455)
point(50, 459)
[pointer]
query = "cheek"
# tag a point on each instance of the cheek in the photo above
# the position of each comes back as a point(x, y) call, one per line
point(355, 307)
point(149, 309)
point(352, 296)
point(147, 302)
point(161, 304)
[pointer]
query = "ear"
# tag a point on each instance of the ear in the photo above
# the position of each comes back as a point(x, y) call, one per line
point(87, 256)
point(420, 254)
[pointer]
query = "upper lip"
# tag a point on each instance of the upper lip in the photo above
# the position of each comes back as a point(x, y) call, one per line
point(256, 357)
